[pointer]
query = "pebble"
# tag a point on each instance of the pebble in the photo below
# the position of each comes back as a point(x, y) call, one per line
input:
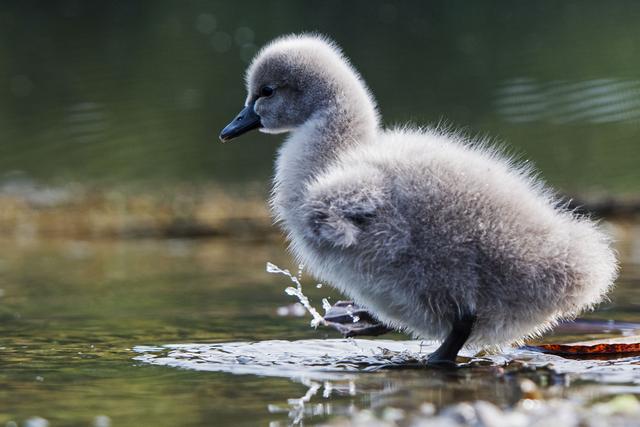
point(620, 411)
point(36, 422)
point(102, 421)
point(529, 390)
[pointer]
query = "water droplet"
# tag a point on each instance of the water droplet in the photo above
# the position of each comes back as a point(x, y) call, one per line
point(272, 268)
point(300, 270)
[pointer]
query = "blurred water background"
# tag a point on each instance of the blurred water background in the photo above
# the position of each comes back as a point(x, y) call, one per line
point(136, 92)
point(110, 164)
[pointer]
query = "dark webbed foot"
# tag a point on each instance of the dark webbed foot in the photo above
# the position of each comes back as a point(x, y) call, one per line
point(351, 320)
point(343, 313)
point(445, 355)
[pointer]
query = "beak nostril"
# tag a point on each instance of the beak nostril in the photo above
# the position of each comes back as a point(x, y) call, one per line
point(246, 120)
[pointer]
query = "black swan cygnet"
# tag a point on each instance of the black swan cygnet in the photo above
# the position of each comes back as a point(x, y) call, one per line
point(436, 234)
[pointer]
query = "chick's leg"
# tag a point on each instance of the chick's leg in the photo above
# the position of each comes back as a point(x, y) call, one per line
point(446, 354)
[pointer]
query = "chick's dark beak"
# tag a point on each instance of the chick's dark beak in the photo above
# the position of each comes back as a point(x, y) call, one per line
point(246, 120)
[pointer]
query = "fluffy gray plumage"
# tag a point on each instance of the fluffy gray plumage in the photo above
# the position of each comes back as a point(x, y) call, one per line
point(417, 225)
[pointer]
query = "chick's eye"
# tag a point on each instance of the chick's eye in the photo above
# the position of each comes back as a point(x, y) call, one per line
point(266, 91)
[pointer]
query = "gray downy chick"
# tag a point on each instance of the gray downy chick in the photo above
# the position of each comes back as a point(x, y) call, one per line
point(438, 235)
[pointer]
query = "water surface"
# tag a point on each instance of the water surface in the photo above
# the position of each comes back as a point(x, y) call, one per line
point(71, 313)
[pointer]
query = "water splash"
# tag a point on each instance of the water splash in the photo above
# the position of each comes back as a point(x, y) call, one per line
point(355, 318)
point(297, 292)
point(304, 300)
point(326, 305)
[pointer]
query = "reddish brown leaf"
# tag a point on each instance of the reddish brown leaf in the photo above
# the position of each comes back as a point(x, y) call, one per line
point(623, 345)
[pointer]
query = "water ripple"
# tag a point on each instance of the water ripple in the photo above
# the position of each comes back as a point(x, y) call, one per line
point(560, 101)
point(341, 359)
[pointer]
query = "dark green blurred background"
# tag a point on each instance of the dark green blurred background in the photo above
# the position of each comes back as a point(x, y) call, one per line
point(135, 92)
